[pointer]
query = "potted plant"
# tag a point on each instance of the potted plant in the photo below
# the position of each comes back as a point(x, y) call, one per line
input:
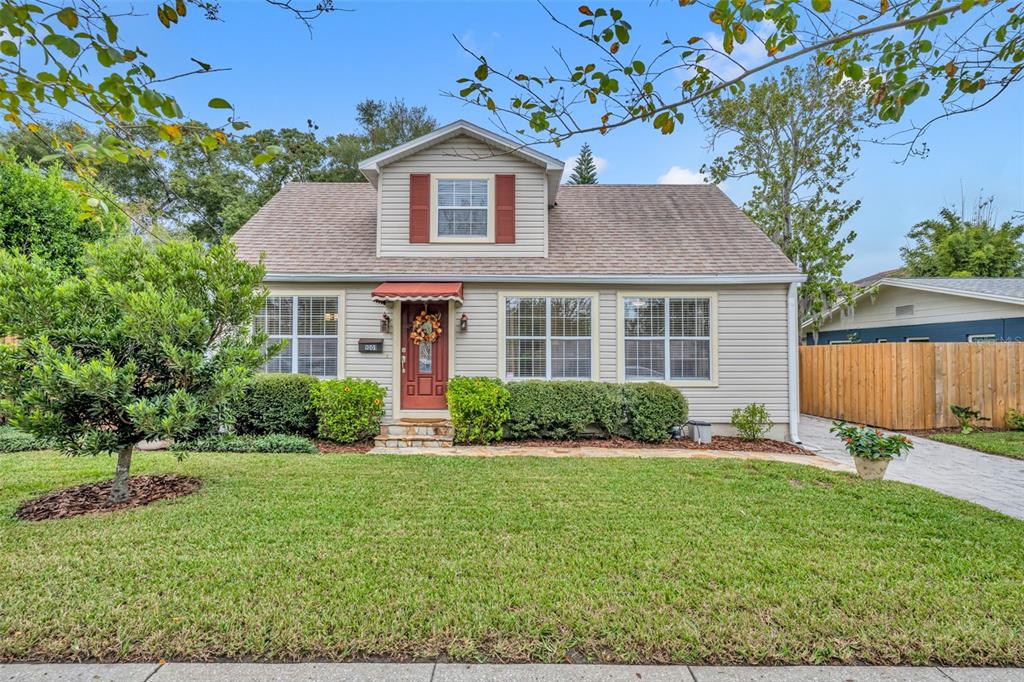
point(871, 449)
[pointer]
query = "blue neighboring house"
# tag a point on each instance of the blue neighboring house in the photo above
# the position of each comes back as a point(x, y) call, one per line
point(939, 309)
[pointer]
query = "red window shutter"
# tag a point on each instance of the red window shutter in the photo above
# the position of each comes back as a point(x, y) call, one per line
point(419, 208)
point(505, 209)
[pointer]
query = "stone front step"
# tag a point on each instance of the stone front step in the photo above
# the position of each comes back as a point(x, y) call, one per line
point(405, 434)
point(417, 427)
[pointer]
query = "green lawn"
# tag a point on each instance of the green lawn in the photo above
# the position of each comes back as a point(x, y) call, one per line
point(1007, 443)
point(314, 556)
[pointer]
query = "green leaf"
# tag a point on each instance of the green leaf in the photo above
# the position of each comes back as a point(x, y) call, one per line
point(481, 72)
point(68, 17)
point(261, 159)
point(8, 48)
point(855, 71)
point(111, 28)
point(219, 103)
point(821, 5)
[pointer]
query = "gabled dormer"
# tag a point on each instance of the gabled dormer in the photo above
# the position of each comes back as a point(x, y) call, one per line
point(463, 191)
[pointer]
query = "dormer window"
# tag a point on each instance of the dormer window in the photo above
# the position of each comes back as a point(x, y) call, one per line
point(462, 208)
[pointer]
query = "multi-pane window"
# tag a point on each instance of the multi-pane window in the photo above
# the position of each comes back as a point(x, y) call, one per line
point(462, 208)
point(548, 338)
point(667, 338)
point(309, 327)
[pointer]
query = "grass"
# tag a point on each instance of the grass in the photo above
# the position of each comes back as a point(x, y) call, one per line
point(1006, 443)
point(333, 557)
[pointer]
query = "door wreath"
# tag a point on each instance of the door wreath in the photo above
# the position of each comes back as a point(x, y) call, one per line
point(426, 328)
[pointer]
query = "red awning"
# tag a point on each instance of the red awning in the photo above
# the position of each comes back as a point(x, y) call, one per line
point(418, 291)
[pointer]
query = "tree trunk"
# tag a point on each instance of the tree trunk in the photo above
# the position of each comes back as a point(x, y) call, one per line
point(119, 491)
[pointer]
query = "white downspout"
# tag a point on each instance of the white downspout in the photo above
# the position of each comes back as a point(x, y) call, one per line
point(793, 339)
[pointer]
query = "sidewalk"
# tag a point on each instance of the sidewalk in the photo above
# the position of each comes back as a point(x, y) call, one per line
point(461, 672)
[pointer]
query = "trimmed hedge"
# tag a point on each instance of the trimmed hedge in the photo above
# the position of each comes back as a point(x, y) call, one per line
point(15, 440)
point(273, 442)
point(348, 410)
point(652, 409)
point(478, 408)
point(564, 409)
point(276, 403)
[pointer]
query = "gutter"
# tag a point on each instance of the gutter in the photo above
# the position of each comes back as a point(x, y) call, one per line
point(793, 345)
point(777, 278)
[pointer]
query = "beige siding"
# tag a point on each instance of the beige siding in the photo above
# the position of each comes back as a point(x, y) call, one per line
point(752, 352)
point(362, 320)
point(462, 155)
point(929, 308)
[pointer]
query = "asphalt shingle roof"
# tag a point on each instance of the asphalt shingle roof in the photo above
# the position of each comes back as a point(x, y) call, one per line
point(324, 228)
point(990, 286)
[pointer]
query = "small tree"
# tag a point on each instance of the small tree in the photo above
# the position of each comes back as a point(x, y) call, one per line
point(585, 170)
point(146, 343)
point(43, 214)
point(954, 245)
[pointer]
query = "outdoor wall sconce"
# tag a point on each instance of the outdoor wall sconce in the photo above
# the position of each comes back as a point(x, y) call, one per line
point(385, 324)
point(464, 322)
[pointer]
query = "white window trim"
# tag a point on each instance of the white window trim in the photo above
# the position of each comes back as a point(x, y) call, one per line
point(916, 339)
point(595, 361)
point(881, 340)
point(840, 342)
point(620, 336)
point(306, 291)
point(975, 338)
point(435, 207)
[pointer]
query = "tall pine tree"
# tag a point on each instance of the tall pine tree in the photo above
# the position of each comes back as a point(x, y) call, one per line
point(585, 170)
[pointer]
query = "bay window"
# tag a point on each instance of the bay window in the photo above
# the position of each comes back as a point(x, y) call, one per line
point(309, 327)
point(548, 337)
point(667, 338)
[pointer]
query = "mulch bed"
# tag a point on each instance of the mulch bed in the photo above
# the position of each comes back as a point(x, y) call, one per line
point(717, 443)
point(92, 497)
point(327, 447)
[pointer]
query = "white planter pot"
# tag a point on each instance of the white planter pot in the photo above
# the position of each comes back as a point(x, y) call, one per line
point(871, 469)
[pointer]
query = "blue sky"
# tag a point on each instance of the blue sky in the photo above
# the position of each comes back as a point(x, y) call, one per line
point(280, 76)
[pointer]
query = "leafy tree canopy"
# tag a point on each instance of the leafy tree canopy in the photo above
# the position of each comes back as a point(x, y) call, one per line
point(146, 342)
point(45, 215)
point(210, 193)
point(71, 56)
point(954, 245)
point(584, 172)
point(795, 136)
point(899, 51)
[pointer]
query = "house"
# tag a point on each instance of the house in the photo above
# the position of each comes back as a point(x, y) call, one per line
point(940, 309)
point(472, 233)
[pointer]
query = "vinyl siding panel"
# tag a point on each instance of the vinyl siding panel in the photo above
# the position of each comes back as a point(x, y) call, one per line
point(462, 154)
point(929, 308)
point(752, 351)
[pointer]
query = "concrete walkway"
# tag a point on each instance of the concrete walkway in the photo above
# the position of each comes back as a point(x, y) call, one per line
point(460, 672)
point(989, 480)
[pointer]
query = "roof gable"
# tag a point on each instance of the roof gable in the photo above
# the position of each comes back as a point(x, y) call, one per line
point(370, 168)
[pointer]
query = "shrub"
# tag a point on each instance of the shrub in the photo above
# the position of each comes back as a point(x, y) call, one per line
point(752, 422)
point(652, 409)
point(273, 442)
point(478, 407)
point(1015, 419)
point(966, 417)
point(348, 410)
point(14, 440)
point(564, 409)
point(276, 403)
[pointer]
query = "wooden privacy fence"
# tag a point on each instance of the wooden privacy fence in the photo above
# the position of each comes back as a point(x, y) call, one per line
point(911, 385)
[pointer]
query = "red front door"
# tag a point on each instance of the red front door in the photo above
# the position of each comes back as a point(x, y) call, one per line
point(424, 365)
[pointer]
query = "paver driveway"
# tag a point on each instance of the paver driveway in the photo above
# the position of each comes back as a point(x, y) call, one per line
point(989, 480)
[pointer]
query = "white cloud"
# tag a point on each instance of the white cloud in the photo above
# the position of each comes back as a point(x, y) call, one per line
point(681, 176)
point(599, 162)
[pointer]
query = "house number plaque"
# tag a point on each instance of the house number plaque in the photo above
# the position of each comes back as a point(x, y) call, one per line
point(371, 345)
